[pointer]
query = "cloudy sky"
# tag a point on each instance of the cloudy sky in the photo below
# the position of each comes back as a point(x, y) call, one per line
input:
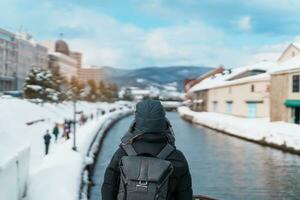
point(139, 33)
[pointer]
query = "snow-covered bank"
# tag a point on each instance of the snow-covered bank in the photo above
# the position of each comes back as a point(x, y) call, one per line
point(58, 175)
point(282, 135)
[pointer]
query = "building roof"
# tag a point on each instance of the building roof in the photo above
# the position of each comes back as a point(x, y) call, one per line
point(227, 77)
point(296, 44)
point(62, 47)
point(292, 64)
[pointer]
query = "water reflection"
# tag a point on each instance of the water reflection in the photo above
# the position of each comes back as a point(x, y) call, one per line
point(229, 168)
point(223, 167)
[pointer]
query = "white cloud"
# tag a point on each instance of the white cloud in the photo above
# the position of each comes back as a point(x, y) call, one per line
point(103, 40)
point(114, 43)
point(245, 23)
point(126, 45)
point(273, 52)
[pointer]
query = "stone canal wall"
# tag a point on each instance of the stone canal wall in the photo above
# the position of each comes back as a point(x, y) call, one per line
point(280, 135)
point(94, 149)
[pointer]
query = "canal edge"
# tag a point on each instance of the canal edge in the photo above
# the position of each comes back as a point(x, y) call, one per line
point(262, 142)
point(94, 149)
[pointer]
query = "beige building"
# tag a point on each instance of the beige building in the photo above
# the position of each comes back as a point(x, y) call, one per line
point(61, 56)
point(242, 91)
point(90, 73)
point(199, 98)
point(247, 97)
point(285, 91)
point(78, 57)
point(291, 51)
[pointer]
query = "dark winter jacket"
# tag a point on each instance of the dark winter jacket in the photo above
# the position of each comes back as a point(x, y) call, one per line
point(55, 131)
point(180, 186)
point(47, 138)
point(150, 119)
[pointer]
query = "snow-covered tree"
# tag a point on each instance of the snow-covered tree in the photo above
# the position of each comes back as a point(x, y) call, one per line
point(39, 85)
point(59, 83)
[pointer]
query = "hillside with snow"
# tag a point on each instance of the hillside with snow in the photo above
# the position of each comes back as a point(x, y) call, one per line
point(159, 77)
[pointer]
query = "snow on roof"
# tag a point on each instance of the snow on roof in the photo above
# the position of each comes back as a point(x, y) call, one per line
point(291, 64)
point(296, 44)
point(224, 79)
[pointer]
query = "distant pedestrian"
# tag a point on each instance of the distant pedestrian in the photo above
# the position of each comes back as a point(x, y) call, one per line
point(47, 139)
point(55, 131)
point(66, 130)
point(70, 123)
point(82, 119)
point(92, 116)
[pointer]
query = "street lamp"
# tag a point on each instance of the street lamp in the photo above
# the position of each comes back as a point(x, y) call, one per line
point(74, 123)
point(74, 98)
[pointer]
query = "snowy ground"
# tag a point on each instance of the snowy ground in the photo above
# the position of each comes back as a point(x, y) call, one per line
point(278, 133)
point(58, 175)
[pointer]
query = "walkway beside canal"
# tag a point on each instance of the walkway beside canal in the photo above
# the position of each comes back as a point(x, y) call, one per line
point(223, 167)
point(279, 135)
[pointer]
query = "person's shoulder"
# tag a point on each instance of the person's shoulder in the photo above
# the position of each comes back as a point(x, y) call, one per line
point(179, 162)
point(177, 155)
point(114, 163)
point(119, 153)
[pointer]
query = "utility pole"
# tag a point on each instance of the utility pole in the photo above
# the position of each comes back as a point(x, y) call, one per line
point(74, 123)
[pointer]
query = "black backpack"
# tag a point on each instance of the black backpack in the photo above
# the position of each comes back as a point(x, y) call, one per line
point(142, 177)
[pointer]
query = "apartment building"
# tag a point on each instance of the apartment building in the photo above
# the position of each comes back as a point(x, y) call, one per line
point(8, 60)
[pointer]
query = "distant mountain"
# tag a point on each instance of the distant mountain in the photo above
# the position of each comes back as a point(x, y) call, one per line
point(159, 77)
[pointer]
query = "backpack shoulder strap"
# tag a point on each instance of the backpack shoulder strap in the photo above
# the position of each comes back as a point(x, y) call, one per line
point(166, 151)
point(128, 148)
point(127, 141)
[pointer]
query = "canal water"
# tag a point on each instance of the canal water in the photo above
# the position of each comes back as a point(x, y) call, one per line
point(223, 167)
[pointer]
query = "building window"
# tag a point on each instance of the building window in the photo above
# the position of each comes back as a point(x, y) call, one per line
point(229, 107)
point(252, 88)
point(5, 69)
point(296, 83)
point(252, 109)
point(215, 106)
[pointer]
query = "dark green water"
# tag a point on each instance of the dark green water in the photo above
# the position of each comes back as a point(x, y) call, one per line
point(221, 166)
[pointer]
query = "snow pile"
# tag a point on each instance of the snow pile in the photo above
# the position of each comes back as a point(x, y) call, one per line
point(58, 175)
point(278, 133)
